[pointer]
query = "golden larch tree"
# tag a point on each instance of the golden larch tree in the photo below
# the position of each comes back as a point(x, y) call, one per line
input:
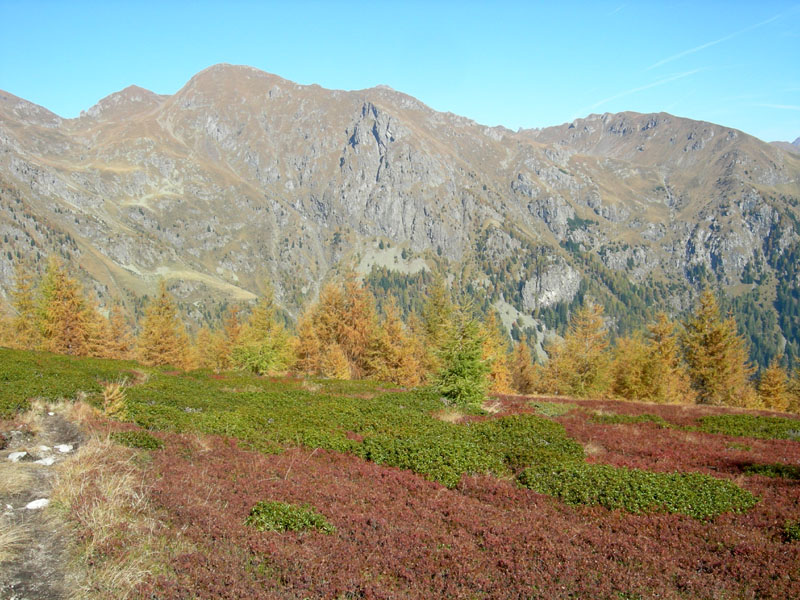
point(25, 327)
point(262, 344)
point(358, 326)
point(64, 316)
point(163, 339)
point(580, 364)
point(717, 356)
point(334, 364)
point(523, 374)
point(395, 354)
point(774, 387)
point(437, 314)
point(342, 320)
point(309, 347)
point(100, 336)
point(122, 342)
point(495, 353)
point(650, 368)
point(632, 368)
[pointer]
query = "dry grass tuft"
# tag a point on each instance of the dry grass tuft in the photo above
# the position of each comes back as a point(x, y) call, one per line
point(448, 415)
point(81, 412)
point(200, 443)
point(114, 401)
point(14, 477)
point(104, 491)
point(310, 386)
point(492, 407)
point(33, 417)
point(12, 539)
point(593, 449)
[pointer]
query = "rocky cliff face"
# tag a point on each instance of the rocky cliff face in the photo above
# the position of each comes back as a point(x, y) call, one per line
point(242, 177)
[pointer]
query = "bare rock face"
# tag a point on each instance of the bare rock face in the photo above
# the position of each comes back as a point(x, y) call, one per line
point(242, 178)
point(557, 282)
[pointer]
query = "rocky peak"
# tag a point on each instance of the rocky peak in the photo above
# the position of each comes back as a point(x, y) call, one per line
point(17, 109)
point(124, 104)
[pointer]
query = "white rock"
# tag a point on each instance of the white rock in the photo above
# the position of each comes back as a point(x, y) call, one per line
point(44, 448)
point(51, 413)
point(46, 461)
point(64, 447)
point(37, 504)
point(17, 456)
point(9, 507)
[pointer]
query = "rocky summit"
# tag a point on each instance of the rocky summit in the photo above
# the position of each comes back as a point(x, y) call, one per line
point(243, 179)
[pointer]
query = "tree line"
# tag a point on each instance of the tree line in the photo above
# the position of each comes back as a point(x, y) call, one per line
point(447, 344)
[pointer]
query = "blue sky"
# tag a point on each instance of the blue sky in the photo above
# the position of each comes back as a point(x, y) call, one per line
point(518, 64)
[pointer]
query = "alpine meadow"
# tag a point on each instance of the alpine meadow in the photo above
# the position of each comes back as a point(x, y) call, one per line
point(265, 340)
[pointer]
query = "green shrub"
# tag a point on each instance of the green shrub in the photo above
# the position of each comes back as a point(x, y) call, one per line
point(774, 470)
point(753, 426)
point(281, 516)
point(443, 457)
point(444, 452)
point(137, 439)
point(791, 531)
point(25, 375)
point(523, 440)
point(617, 419)
point(738, 446)
point(270, 356)
point(552, 409)
point(636, 491)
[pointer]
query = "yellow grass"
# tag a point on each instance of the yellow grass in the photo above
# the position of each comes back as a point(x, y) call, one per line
point(593, 448)
point(492, 407)
point(12, 538)
point(448, 415)
point(14, 477)
point(105, 493)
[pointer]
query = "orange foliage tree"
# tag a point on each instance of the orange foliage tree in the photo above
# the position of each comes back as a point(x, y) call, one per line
point(395, 353)
point(523, 373)
point(717, 356)
point(163, 339)
point(25, 329)
point(65, 319)
point(495, 353)
point(342, 323)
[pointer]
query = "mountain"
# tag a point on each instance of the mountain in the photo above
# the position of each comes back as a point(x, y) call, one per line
point(242, 178)
point(789, 146)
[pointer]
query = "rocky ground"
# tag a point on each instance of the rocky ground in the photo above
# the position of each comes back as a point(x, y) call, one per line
point(35, 557)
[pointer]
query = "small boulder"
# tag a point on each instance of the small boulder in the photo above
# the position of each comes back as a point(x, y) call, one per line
point(37, 504)
point(17, 456)
point(64, 448)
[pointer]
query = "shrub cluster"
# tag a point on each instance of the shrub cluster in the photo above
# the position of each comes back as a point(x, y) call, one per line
point(791, 531)
point(619, 419)
point(552, 409)
point(636, 491)
point(754, 426)
point(25, 375)
point(781, 470)
point(400, 536)
point(281, 516)
point(137, 439)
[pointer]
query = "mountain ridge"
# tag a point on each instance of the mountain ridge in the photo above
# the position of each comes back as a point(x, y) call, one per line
point(242, 177)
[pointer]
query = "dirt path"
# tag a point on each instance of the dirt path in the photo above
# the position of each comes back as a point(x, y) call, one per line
point(37, 568)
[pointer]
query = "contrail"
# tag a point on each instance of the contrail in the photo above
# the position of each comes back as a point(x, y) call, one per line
point(709, 44)
point(780, 106)
point(584, 111)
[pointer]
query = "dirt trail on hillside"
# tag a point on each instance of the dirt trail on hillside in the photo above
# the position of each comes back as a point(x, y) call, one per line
point(37, 567)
